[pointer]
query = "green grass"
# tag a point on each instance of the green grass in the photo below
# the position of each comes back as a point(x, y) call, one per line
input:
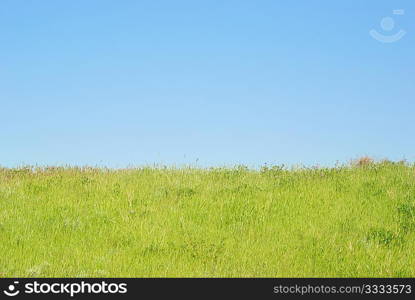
point(160, 222)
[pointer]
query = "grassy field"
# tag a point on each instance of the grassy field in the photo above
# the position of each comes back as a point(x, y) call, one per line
point(347, 221)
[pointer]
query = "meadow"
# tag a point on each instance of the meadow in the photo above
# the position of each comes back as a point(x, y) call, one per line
point(346, 221)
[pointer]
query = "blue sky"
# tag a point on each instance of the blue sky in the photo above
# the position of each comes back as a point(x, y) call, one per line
point(121, 83)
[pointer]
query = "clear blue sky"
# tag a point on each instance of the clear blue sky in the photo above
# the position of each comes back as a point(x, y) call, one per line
point(121, 83)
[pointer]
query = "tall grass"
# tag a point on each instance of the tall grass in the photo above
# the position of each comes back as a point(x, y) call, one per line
point(348, 221)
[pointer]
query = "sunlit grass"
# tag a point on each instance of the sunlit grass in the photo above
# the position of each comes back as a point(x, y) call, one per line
point(349, 221)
